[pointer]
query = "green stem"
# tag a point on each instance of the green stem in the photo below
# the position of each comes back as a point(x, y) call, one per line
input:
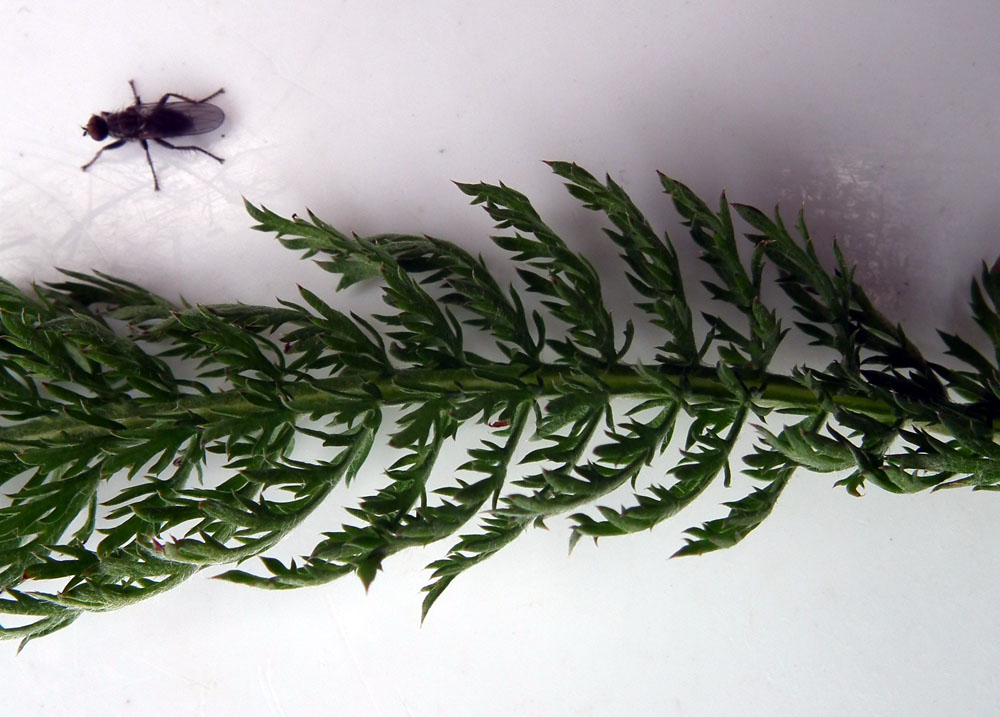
point(325, 395)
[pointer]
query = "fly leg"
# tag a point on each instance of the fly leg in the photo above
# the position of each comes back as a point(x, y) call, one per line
point(156, 183)
point(163, 100)
point(167, 144)
point(113, 145)
point(135, 94)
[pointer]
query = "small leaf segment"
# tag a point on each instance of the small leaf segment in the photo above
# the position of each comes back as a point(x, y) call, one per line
point(101, 379)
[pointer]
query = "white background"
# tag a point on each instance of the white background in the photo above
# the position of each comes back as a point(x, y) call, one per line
point(882, 117)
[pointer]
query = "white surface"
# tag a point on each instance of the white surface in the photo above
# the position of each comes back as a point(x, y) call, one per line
point(884, 119)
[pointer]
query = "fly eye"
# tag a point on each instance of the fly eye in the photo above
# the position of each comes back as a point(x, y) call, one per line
point(97, 128)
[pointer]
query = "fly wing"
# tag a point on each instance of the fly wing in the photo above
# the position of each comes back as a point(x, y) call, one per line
point(177, 119)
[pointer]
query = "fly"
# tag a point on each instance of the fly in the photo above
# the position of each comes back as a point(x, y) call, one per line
point(155, 121)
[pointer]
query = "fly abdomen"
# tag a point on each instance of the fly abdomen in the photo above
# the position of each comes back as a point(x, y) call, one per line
point(168, 123)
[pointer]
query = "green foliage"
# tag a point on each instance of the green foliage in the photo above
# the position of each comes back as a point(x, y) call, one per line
point(92, 386)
